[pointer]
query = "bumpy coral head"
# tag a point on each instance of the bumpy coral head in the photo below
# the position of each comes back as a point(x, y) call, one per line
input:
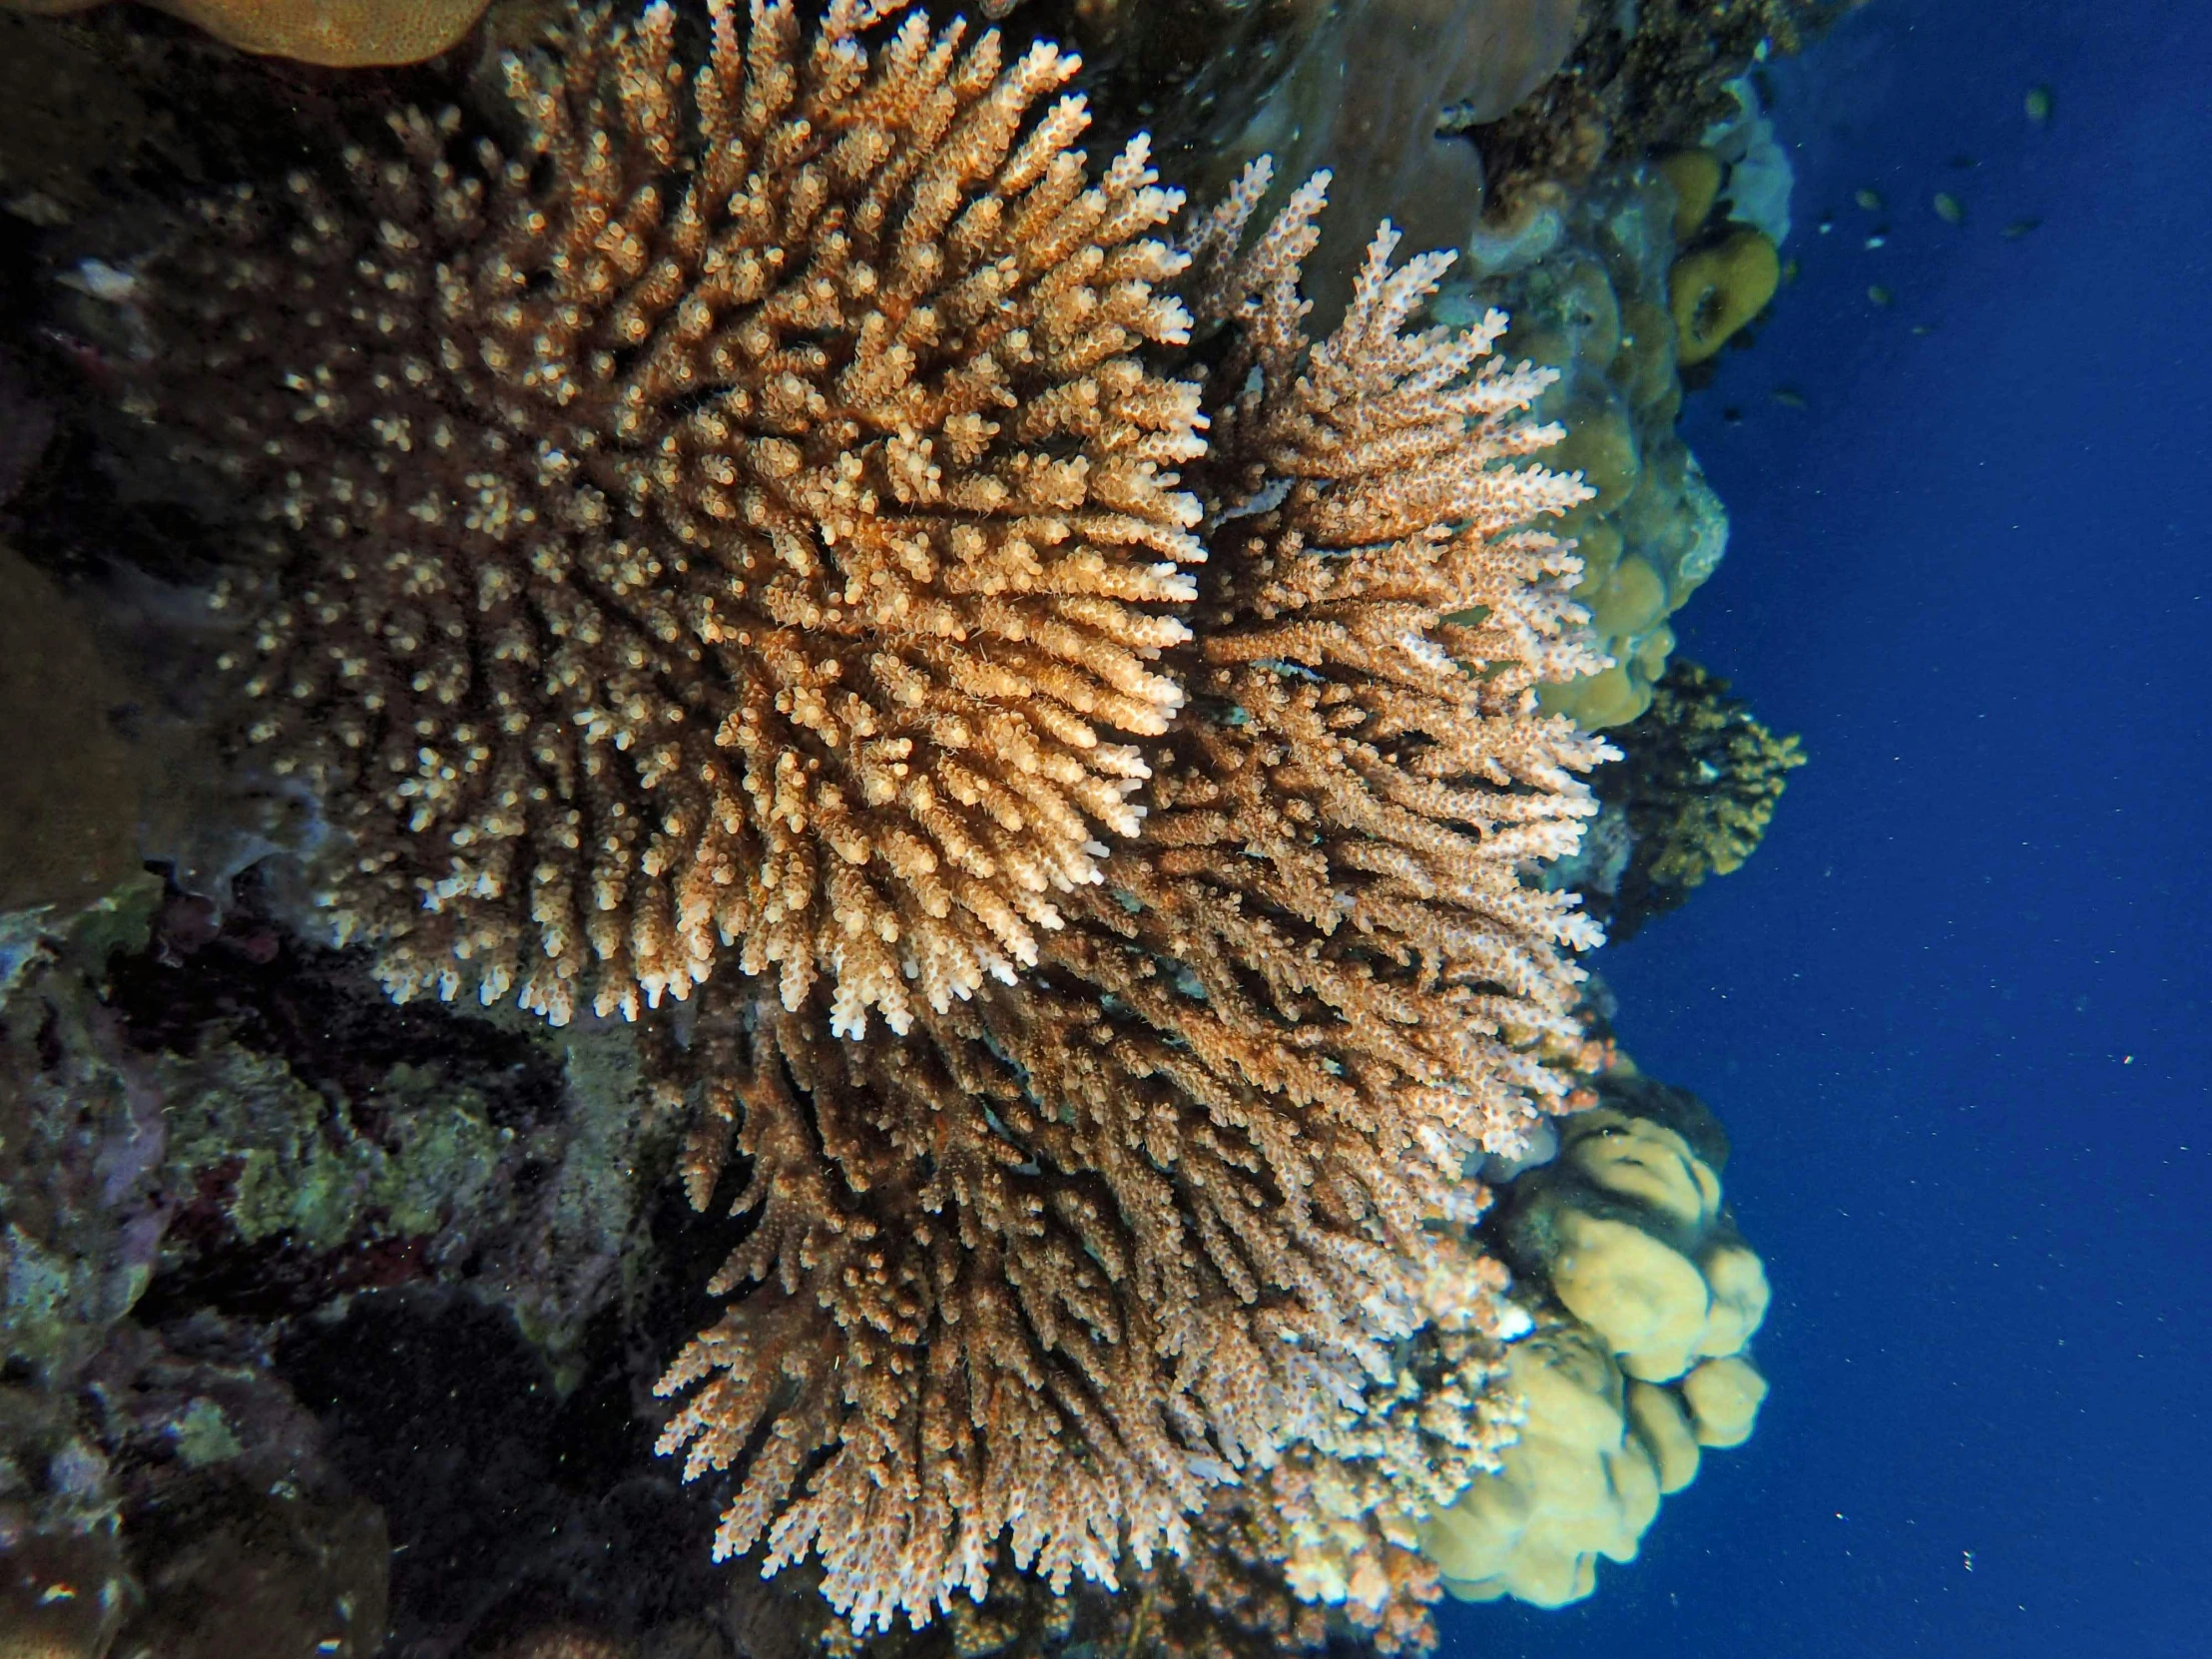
point(744, 524)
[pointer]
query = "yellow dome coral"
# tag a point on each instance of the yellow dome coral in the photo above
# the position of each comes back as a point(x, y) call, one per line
point(1628, 1227)
point(743, 526)
point(1644, 1298)
point(1715, 290)
point(1577, 1485)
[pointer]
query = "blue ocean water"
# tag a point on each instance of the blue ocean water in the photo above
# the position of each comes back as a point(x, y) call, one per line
point(1954, 1013)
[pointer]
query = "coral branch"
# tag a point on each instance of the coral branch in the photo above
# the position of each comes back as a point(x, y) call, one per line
point(739, 526)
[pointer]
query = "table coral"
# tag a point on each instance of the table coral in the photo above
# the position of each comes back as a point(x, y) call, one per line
point(770, 580)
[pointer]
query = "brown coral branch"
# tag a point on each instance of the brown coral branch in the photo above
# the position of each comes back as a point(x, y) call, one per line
point(1092, 1244)
point(742, 524)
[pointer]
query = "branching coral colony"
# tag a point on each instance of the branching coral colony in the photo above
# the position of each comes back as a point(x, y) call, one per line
point(752, 546)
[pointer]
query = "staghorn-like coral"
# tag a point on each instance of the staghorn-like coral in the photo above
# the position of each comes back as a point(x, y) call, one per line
point(1074, 1253)
point(739, 526)
point(740, 546)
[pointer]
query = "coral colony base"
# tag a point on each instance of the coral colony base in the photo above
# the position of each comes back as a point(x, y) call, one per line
point(1044, 742)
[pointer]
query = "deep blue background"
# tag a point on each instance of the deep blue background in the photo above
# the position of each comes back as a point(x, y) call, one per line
point(1955, 1012)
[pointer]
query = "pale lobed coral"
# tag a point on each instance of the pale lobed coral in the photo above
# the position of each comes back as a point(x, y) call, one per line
point(1074, 1253)
point(741, 525)
point(1644, 1298)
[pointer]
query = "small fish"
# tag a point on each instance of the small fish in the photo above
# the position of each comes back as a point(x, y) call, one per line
point(1965, 163)
point(1922, 328)
point(2018, 228)
point(1825, 225)
point(2040, 103)
point(1949, 209)
point(1879, 295)
point(1877, 240)
point(1869, 200)
point(1788, 397)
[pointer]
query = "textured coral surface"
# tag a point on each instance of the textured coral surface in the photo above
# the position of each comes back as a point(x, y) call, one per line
point(1159, 1212)
point(766, 556)
point(777, 531)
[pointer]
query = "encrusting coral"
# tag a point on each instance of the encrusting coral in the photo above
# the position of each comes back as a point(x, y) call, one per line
point(742, 549)
point(1073, 1253)
point(758, 538)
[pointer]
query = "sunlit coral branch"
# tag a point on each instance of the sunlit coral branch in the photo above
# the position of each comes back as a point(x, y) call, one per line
point(740, 526)
point(1081, 1248)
